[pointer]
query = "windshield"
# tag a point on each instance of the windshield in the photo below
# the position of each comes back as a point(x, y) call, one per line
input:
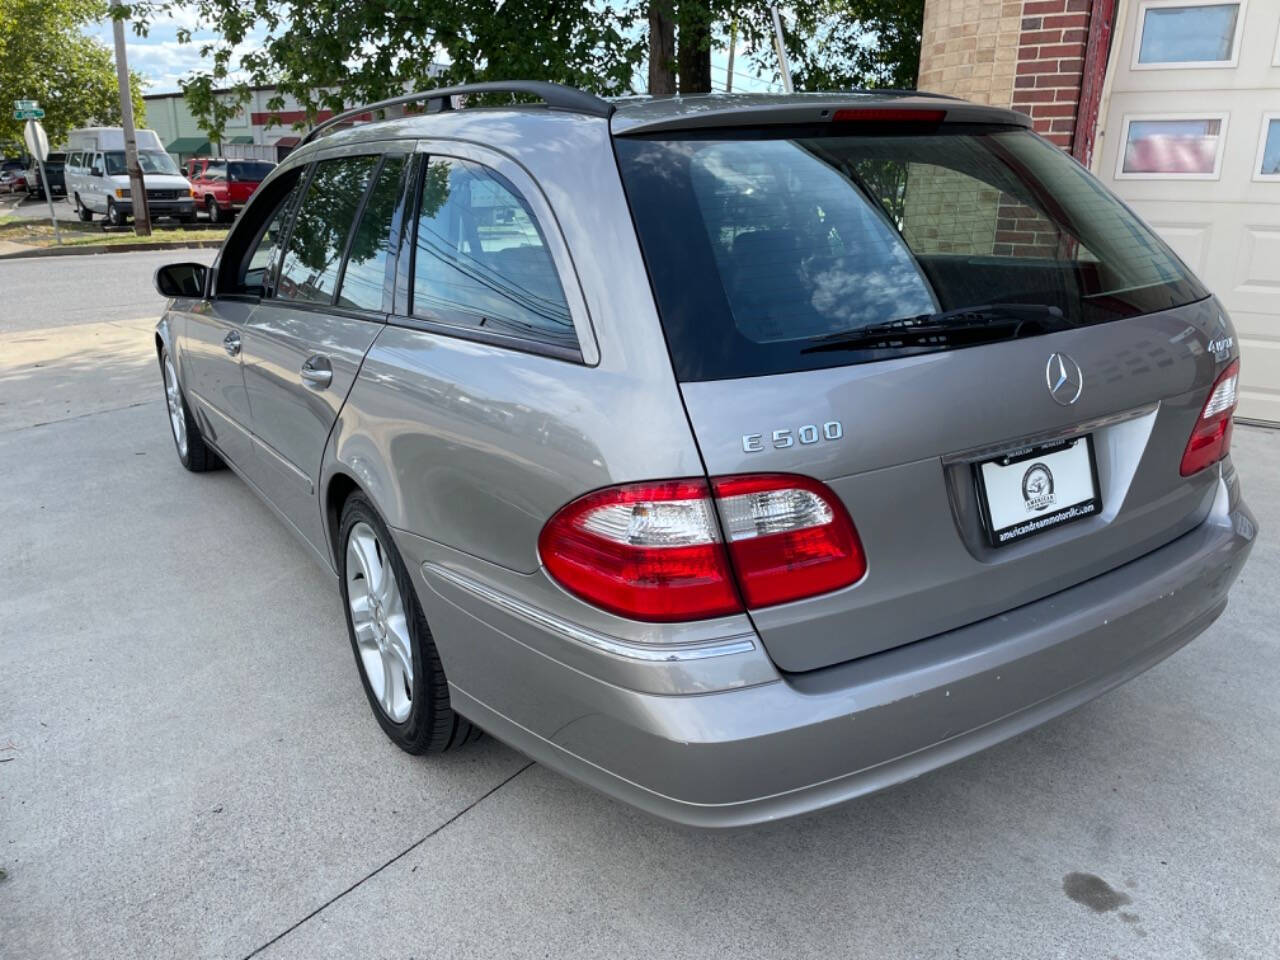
point(151, 161)
point(249, 172)
point(779, 250)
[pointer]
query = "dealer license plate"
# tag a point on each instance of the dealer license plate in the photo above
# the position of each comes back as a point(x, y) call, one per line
point(1035, 489)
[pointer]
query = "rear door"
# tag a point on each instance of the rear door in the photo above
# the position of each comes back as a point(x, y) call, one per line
point(304, 344)
point(888, 310)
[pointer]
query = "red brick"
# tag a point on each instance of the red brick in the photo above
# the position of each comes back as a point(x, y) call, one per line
point(1031, 23)
point(1054, 110)
point(1028, 81)
point(1037, 66)
point(1043, 125)
point(1059, 139)
point(1072, 66)
point(1066, 20)
point(1075, 36)
point(1034, 96)
point(1066, 93)
point(1032, 7)
point(1065, 125)
point(1040, 36)
point(1058, 80)
point(1014, 236)
point(1062, 50)
point(1079, 6)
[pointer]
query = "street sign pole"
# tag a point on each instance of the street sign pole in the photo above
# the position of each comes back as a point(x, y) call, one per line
point(137, 187)
point(38, 144)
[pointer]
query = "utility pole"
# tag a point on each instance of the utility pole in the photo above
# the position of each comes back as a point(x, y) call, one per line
point(781, 46)
point(733, 45)
point(137, 187)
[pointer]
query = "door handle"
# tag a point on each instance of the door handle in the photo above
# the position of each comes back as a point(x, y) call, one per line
point(317, 372)
point(231, 343)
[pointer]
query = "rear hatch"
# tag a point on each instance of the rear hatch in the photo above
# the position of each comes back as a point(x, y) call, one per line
point(993, 364)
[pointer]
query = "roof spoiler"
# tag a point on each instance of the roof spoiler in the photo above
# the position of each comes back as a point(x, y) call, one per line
point(554, 95)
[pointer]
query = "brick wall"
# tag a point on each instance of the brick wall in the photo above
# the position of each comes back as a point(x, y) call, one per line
point(969, 48)
point(1025, 54)
point(1051, 51)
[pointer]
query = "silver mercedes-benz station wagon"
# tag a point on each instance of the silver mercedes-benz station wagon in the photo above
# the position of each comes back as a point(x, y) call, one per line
point(734, 455)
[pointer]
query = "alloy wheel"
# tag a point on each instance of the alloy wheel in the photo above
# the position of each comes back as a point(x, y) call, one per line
point(380, 623)
point(177, 412)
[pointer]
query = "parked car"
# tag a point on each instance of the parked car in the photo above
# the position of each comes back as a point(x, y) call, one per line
point(223, 186)
point(98, 179)
point(54, 169)
point(736, 456)
point(12, 181)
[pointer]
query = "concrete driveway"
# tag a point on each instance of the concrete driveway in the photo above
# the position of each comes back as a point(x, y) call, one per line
point(188, 766)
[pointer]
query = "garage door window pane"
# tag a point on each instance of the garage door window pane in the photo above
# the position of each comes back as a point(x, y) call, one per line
point(1270, 166)
point(1199, 34)
point(1172, 147)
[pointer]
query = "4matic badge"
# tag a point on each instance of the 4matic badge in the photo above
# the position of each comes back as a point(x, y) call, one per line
point(1037, 487)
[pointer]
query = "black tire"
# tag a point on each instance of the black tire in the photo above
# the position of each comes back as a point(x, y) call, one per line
point(199, 456)
point(431, 726)
point(114, 216)
point(212, 208)
point(83, 212)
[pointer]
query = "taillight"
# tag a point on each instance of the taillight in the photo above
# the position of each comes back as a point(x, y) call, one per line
point(653, 551)
point(887, 115)
point(789, 537)
point(1211, 438)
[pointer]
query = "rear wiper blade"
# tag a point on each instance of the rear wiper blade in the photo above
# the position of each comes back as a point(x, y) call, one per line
point(949, 328)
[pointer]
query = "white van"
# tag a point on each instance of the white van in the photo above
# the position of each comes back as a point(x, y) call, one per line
point(98, 181)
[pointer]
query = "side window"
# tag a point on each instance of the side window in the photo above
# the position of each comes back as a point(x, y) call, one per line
point(96, 167)
point(480, 259)
point(258, 264)
point(314, 253)
point(365, 273)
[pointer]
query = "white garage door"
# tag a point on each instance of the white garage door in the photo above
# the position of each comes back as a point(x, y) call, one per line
point(1191, 140)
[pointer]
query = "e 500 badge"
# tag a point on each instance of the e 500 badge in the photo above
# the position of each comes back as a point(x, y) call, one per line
point(781, 439)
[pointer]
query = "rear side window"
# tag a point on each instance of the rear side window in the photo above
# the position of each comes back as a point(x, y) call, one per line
point(787, 249)
point(365, 274)
point(266, 250)
point(251, 172)
point(480, 258)
point(313, 254)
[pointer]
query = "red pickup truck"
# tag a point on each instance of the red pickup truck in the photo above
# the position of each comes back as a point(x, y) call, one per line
point(224, 186)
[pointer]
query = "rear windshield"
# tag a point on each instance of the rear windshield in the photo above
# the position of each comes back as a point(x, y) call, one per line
point(251, 172)
point(778, 250)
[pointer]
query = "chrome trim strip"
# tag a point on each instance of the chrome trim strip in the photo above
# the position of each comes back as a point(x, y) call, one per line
point(989, 450)
point(650, 652)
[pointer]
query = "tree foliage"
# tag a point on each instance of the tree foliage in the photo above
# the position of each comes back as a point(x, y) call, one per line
point(45, 56)
point(331, 54)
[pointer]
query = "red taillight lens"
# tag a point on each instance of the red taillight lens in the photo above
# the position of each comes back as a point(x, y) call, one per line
point(789, 537)
point(1211, 438)
point(653, 551)
point(650, 551)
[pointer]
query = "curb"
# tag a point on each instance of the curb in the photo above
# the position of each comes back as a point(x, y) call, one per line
point(87, 249)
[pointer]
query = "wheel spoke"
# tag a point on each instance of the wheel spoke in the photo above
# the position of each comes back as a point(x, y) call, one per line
point(401, 647)
point(390, 678)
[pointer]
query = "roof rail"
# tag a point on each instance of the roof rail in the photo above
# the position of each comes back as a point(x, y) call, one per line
point(555, 95)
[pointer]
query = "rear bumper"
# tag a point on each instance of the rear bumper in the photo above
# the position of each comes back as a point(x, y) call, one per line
point(804, 742)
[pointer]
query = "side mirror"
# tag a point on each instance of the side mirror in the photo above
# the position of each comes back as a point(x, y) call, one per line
point(181, 279)
point(95, 172)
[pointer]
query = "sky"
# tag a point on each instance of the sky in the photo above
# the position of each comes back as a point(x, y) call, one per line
point(163, 61)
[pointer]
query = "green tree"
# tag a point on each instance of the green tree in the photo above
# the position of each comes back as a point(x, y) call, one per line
point(331, 54)
point(45, 56)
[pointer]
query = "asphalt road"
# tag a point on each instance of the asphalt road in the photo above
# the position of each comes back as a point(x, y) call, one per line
point(188, 766)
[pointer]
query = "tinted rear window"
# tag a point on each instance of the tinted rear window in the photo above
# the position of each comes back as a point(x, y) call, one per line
point(782, 250)
point(252, 172)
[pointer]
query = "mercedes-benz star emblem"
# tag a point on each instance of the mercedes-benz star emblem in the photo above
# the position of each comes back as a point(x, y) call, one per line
point(1064, 379)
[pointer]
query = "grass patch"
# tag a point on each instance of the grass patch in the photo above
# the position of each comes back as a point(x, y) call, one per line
point(39, 233)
